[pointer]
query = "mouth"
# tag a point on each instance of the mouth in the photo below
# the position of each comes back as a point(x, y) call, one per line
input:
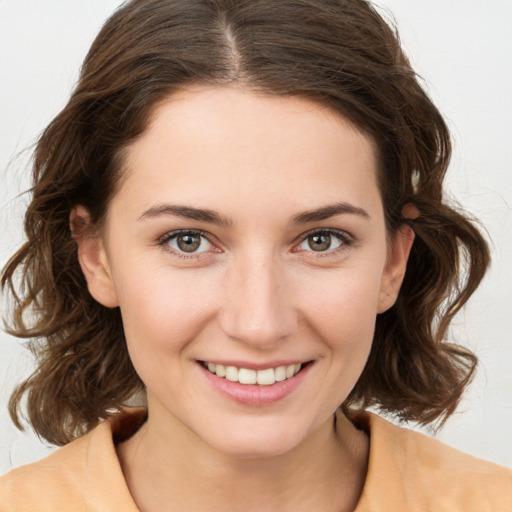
point(248, 376)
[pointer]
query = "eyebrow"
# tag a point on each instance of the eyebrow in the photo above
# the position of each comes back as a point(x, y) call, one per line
point(212, 217)
point(329, 211)
point(186, 212)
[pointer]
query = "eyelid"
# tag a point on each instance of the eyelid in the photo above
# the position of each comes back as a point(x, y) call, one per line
point(164, 239)
point(346, 238)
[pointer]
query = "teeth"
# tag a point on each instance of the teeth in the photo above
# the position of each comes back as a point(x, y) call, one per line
point(280, 373)
point(265, 377)
point(290, 371)
point(246, 376)
point(231, 373)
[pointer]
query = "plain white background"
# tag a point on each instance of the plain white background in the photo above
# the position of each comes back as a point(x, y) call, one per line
point(463, 50)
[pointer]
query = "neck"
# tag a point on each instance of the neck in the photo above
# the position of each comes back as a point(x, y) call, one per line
point(171, 469)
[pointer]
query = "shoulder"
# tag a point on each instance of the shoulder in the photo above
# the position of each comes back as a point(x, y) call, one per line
point(43, 481)
point(412, 471)
point(83, 475)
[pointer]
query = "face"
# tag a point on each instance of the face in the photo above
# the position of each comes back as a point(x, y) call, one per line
point(247, 251)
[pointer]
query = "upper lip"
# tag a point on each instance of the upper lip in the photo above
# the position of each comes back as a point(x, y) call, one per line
point(257, 366)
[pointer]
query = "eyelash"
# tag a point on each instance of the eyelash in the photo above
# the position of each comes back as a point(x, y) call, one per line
point(345, 238)
point(164, 241)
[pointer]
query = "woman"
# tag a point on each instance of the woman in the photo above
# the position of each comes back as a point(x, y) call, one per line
point(239, 213)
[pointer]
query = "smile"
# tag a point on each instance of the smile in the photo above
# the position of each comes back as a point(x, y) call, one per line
point(265, 377)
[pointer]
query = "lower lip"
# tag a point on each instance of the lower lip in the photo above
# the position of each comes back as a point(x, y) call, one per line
point(255, 395)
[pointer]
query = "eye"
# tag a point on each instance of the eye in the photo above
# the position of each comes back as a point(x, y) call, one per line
point(324, 241)
point(187, 242)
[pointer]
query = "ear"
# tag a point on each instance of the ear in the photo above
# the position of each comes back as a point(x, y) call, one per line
point(396, 264)
point(93, 258)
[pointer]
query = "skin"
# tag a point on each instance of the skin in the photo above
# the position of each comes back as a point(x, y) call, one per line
point(254, 292)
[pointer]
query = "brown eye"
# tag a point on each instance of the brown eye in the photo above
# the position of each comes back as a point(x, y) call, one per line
point(319, 242)
point(188, 242)
point(325, 241)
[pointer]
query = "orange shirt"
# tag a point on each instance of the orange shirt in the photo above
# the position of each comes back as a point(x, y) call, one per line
point(407, 472)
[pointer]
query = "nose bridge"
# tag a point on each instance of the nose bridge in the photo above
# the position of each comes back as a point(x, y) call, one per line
point(258, 306)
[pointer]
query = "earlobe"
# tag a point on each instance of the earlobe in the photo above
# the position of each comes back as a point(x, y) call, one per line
point(93, 259)
point(396, 265)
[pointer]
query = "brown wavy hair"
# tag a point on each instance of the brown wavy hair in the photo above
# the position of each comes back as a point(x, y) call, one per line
point(339, 53)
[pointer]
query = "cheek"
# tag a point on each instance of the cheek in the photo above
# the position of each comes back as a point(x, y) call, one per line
point(161, 318)
point(340, 316)
point(162, 310)
point(345, 306)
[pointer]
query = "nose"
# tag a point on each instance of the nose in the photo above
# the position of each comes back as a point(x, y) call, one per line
point(258, 304)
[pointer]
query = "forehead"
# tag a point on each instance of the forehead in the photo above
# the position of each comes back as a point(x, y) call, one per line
point(204, 142)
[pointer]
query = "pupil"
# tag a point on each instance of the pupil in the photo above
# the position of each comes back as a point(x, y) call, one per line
point(189, 243)
point(320, 242)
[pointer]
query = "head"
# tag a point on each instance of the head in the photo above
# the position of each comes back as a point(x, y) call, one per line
point(336, 60)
